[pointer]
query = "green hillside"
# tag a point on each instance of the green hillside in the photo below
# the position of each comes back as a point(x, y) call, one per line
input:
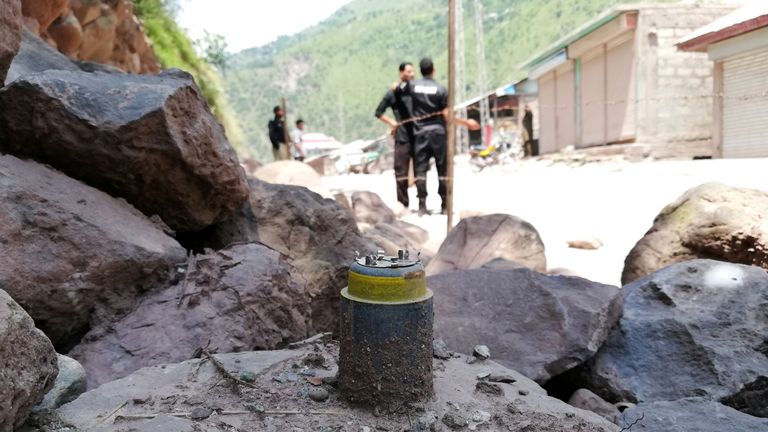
point(334, 74)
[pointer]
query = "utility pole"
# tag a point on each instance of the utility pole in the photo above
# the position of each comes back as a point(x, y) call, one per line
point(341, 122)
point(462, 135)
point(451, 138)
point(482, 78)
point(285, 126)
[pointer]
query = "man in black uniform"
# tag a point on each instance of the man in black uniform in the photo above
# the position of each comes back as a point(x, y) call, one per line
point(430, 109)
point(276, 127)
point(403, 133)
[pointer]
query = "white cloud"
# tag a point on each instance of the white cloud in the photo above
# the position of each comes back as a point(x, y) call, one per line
point(250, 23)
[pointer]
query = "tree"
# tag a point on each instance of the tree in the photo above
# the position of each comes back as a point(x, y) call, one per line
point(213, 48)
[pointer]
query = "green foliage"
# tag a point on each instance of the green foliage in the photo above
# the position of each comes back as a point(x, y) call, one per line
point(174, 49)
point(334, 74)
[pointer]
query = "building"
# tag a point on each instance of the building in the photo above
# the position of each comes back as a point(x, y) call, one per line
point(506, 107)
point(619, 79)
point(738, 45)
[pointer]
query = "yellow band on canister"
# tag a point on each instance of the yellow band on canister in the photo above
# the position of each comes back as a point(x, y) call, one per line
point(408, 287)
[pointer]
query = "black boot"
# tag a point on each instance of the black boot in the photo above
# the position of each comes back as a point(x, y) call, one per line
point(423, 208)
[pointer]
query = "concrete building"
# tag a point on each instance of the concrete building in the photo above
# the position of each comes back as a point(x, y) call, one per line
point(619, 79)
point(738, 45)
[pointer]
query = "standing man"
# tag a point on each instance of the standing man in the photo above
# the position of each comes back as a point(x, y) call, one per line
point(528, 131)
point(430, 109)
point(403, 133)
point(276, 126)
point(296, 134)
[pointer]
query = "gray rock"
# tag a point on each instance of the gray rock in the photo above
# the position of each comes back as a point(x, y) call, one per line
point(489, 388)
point(318, 236)
point(73, 256)
point(751, 399)
point(482, 352)
point(440, 349)
point(711, 221)
point(454, 420)
point(318, 394)
point(538, 324)
point(476, 241)
point(35, 56)
point(393, 236)
point(10, 34)
point(237, 299)
point(589, 401)
point(688, 415)
point(200, 413)
point(369, 208)
point(27, 367)
point(151, 140)
point(70, 383)
point(701, 325)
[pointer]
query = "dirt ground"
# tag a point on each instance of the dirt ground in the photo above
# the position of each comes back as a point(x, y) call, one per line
point(614, 201)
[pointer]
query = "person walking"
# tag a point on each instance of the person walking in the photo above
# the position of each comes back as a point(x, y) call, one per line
point(430, 110)
point(280, 150)
point(400, 104)
point(528, 131)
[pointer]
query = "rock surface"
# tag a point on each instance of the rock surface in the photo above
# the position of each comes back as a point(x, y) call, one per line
point(478, 240)
point(71, 255)
point(194, 384)
point(317, 235)
point(292, 173)
point(711, 221)
point(701, 325)
point(10, 34)
point(44, 11)
point(238, 299)
point(692, 414)
point(150, 140)
point(27, 365)
point(391, 237)
point(37, 56)
point(70, 383)
point(586, 400)
point(538, 324)
point(369, 208)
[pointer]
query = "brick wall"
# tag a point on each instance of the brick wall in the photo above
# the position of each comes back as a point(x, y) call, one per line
point(675, 91)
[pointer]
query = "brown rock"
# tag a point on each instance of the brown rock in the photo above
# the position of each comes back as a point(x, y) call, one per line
point(149, 139)
point(67, 33)
point(292, 173)
point(243, 298)
point(99, 37)
point(37, 56)
point(10, 34)
point(711, 221)
point(86, 11)
point(28, 365)
point(73, 256)
point(586, 400)
point(317, 235)
point(479, 240)
point(44, 11)
point(369, 208)
point(391, 237)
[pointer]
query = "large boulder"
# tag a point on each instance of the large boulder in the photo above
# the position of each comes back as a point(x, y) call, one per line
point(394, 236)
point(698, 328)
point(71, 255)
point(538, 324)
point(479, 240)
point(318, 236)
point(711, 221)
point(36, 56)
point(369, 208)
point(27, 364)
point(238, 299)
point(10, 34)
point(293, 173)
point(197, 385)
point(44, 11)
point(149, 139)
point(689, 415)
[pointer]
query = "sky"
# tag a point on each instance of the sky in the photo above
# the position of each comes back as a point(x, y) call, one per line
point(250, 23)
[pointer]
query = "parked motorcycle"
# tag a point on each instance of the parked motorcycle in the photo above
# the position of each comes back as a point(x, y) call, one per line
point(504, 146)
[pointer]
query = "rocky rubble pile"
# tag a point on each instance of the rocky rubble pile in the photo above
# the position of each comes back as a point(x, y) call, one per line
point(100, 31)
